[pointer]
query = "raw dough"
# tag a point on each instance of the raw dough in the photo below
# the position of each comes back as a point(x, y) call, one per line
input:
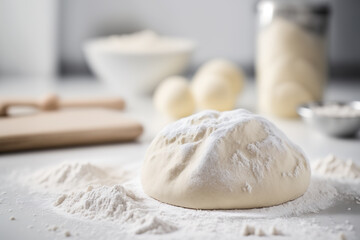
point(287, 97)
point(291, 69)
point(213, 91)
point(288, 57)
point(226, 69)
point(284, 37)
point(228, 160)
point(290, 83)
point(173, 97)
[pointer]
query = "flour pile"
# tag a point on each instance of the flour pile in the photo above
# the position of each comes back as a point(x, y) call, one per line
point(114, 203)
point(334, 167)
point(71, 176)
point(93, 192)
point(344, 175)
point(88, 191)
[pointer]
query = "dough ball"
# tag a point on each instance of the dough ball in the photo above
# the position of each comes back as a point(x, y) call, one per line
point(228, 160)
point(287, 97)
point(173, 97)
point(213, 91)
point(290, 69)
point(283, 36)
point(228, 70)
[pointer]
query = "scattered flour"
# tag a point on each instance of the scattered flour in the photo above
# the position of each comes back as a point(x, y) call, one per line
point(342, 236)
point(275, 231)
point(249, 230)
point(53, 228)
point(334, 167)
point(152, 224)
point(259, 232)
point(344, 175)
point(72, 176)
point(67, 234)
point(115, 203)
point(91, 192)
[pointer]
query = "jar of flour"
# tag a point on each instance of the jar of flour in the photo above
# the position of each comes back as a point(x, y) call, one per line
point(291, 64)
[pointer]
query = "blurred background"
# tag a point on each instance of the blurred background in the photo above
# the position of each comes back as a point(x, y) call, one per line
point(65, 81)
point(45, 37)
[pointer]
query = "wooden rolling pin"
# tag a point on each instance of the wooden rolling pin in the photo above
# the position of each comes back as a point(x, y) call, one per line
point(52, 102)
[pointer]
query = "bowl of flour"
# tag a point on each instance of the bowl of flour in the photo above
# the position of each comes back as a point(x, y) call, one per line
point(137, 62)
point(338, 119)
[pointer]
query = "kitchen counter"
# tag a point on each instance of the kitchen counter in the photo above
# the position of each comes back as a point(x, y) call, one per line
point(32, 222)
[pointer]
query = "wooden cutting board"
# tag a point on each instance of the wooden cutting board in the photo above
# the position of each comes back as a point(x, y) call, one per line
point(66, 128)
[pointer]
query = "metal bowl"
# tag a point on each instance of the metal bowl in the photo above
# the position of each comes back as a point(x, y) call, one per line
point(337, 126)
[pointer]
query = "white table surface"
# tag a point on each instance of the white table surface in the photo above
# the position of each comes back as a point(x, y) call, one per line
point(31, 220)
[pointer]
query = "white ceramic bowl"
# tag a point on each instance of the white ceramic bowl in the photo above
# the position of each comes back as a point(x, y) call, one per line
point(137, 72)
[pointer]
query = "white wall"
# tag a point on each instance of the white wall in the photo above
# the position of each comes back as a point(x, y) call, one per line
point(221, 28)
point(28, 37)
point(345, 33)
point(31, 41)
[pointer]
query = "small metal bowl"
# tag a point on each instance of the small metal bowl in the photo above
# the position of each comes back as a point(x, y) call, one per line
point(337, 126)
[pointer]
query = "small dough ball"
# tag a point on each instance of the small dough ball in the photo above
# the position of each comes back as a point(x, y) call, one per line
point(224, 160)
point(287, 97)
point(224, 68)
point(213, 91)
point(283, 36)
point(297, 70)
point(173, 97)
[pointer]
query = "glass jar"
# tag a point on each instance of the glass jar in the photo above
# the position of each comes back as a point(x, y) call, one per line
point(291, 64)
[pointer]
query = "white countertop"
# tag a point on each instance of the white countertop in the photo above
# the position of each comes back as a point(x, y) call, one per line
point(14, 203)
